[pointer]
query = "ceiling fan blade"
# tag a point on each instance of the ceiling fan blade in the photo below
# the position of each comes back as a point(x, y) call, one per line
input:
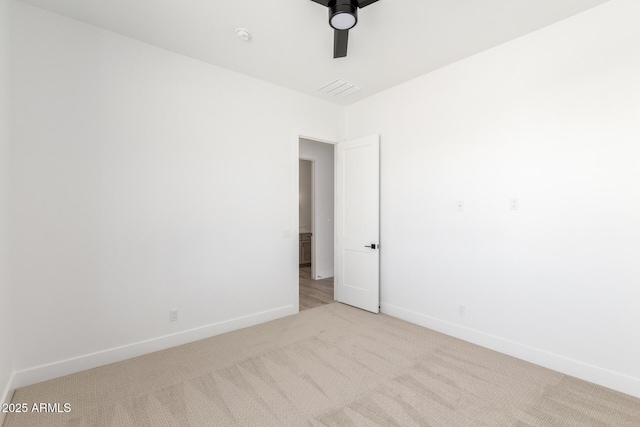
point(322, 2)
point(364, 3)
point(340, 41)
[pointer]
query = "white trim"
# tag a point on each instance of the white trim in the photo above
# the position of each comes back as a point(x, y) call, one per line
point(7, 394)
point(295, 192)
point(314, 250)
point(89, 361)
point(575, 368)
point(324, 274)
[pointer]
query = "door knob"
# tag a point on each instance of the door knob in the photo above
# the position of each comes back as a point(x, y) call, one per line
point(372, 246)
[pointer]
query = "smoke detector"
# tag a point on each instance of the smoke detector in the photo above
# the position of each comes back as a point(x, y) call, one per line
point(243, 34)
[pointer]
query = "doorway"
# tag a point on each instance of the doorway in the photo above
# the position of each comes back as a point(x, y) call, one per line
point(316, 223)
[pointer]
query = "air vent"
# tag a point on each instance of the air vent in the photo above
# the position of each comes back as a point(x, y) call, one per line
point(339, 88)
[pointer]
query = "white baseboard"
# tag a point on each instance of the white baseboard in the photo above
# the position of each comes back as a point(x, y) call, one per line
point(89, 361)
point(7, 394)
point(324, 274)
point(575, 368)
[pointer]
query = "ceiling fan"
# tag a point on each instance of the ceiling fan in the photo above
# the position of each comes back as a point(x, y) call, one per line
point(343, 15)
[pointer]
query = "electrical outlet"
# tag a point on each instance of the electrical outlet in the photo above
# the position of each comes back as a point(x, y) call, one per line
point(462, 310)
point(459, 205)
point(514, 204)
point(173, 315)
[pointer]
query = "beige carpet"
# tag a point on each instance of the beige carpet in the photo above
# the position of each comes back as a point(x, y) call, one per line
point(332, 365)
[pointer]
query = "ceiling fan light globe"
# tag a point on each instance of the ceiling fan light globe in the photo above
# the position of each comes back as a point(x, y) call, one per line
point(343, 21)
point(343, 15)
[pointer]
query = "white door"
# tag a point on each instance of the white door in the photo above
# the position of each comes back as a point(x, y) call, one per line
point(357, 263)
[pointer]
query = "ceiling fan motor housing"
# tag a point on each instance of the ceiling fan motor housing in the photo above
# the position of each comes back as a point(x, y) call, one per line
point(338, 7)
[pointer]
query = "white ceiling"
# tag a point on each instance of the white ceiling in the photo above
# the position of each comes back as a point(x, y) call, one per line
point(292, 43)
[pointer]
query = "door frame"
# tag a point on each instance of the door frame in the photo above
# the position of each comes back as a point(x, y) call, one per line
point(313, 212)
point(295, 202)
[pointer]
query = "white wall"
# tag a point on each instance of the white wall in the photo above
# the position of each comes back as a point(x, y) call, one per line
point(551, 118)
point(322, 155)
point(305, 190)
point(130, 196)
point(6, 343)
point(137, 172)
